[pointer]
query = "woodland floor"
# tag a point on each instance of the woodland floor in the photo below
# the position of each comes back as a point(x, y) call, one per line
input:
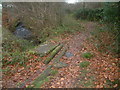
point(102, 67)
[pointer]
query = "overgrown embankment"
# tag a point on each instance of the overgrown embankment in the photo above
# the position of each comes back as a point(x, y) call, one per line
point(39, 18)
point(107, 34)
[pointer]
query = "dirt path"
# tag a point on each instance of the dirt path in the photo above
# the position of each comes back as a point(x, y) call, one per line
point(100, 72)
point(67, 76)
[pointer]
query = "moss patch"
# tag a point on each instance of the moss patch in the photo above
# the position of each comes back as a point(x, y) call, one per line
point(111, 84)
point(88, 84)
point(87, 55)
point(84, 64)
point(44, 77)
point(53, 72)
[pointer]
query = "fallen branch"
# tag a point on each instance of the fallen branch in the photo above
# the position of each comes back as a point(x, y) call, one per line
point(39, 81)
point(56, 60)
point(53, 53)
point(44, 77)
point(49, 50)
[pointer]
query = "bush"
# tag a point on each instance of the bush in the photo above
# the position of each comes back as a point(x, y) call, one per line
point(89, 14)
point(112, 16)
point(109, 15)
point(111, 12)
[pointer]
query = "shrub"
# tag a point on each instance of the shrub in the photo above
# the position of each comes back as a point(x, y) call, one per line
point(89, 14)
point(112, 16)
point(111, 12)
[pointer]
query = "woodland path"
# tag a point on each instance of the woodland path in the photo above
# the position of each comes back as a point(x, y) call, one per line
point(67, 76)
point(101, 69)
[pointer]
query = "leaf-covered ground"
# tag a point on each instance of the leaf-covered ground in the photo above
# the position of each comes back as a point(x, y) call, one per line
point(101, 72)
point(98, 71)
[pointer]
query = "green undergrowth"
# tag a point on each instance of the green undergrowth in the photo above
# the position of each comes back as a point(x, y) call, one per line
point(107, 34)
point(112, 83)
point(89, 83)
point(44, 77)
point(84, 64)
point(14, 50)
point(89, 14)
point(105, 39)
point(11, 43)
point(38, 84)
point(87, 55)
point(69, 25)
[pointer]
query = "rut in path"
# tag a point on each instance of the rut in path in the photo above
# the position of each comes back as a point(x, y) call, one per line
point(67, 76)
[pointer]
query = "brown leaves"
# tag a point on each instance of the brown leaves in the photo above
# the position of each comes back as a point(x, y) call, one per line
point(62, 79)
point(21, 73)
point(102, 67)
